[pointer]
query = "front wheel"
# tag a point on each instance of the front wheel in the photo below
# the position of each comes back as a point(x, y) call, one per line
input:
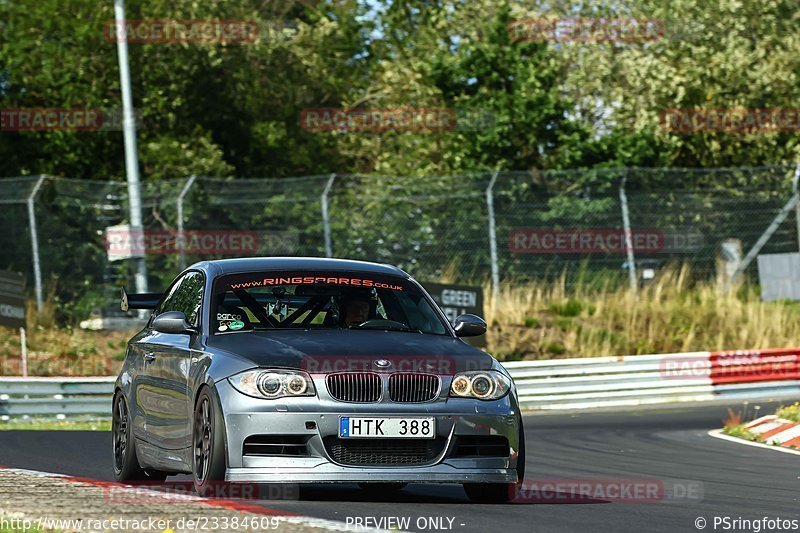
point(208, 445)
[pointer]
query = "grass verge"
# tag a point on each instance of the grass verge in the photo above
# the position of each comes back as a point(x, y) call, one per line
point(539, 320)
point(790, 412)
point(595, 315)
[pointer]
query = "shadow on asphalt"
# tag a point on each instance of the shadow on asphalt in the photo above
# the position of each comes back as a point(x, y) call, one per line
point(352, 493)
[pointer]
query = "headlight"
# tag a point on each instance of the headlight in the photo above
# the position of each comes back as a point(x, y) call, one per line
point(273, 384)
point(483, 385)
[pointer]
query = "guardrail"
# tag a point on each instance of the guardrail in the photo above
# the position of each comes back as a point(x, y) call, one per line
point(56, 397)
point(657, 379)
point(542, 385)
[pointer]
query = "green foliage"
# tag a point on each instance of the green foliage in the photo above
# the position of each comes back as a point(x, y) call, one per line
point(715, 54)
point(531, 322)
point(233, 109)
point(555, 348)
point(568, 308)
point(564, 324)
point(740, 432)
point(789, 412)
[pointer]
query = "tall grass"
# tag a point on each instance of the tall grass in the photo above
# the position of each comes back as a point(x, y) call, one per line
point(594, 315)
point(597, 318)
point(60, 350)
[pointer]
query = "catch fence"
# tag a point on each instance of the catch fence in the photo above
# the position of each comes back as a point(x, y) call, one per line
point(626, 224)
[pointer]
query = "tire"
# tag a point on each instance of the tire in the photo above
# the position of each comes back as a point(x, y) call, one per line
point(208, 445)
point(383, 488)
point(499, 492)
point(521, 456)
point(123, 447)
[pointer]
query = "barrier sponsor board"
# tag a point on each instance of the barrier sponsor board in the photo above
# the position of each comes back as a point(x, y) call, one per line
point(12, 299)
point(456, 300)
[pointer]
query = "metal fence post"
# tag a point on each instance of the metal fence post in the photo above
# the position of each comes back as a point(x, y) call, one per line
point(131, 150)
point(493, 235)
point(326, 221)
point(762, 240)
point(37, 268)
point(181, 239)
point(795, 183)
point(626, 223)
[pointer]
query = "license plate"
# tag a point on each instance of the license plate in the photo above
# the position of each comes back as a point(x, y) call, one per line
point(393, 428)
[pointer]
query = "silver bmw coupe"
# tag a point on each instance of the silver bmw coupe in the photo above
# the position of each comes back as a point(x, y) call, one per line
point(307, 370)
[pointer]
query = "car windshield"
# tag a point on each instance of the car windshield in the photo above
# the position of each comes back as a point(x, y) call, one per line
point(321, 300)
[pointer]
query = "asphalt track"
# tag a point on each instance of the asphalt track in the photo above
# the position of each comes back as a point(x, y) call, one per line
point(734, 480)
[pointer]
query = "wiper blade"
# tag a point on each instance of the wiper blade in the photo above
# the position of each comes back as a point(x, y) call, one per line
point(396, 328)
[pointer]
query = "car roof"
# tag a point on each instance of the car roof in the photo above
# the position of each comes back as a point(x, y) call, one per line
point(220, 267)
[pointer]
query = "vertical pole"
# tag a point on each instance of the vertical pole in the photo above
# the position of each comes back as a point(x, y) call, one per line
point(626, 222)
point(24, 341)
point(37, 267)
point(493, 236)
point(764, 238)
point(795, 183)
point(129, 132)
point(326, 221)
point(181, 239)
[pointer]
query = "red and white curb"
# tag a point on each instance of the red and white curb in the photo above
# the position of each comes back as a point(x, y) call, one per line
point(774, 430)
point(774, 433)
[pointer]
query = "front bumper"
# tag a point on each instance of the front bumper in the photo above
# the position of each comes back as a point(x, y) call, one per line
point(317, 418)
point(332, 473)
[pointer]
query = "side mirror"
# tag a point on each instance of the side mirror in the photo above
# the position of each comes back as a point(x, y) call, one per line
point(172, 322)
point(469, 326)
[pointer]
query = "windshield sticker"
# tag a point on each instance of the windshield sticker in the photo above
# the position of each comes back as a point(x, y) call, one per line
point(223, 327)
point(236, 325)
point(315, 280)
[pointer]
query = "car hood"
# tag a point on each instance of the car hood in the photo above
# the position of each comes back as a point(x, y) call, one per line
point(325, 351)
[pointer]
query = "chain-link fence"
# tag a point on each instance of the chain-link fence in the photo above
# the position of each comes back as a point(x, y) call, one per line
point(68, 235)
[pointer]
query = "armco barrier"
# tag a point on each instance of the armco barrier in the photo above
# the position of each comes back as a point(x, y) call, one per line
point(542, 385)
point(657, 379)
point(52, 397)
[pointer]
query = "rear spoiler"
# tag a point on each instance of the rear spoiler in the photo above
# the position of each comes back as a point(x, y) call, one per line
point(144, 300)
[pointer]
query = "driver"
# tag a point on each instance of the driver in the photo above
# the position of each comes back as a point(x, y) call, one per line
point(356, 312)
